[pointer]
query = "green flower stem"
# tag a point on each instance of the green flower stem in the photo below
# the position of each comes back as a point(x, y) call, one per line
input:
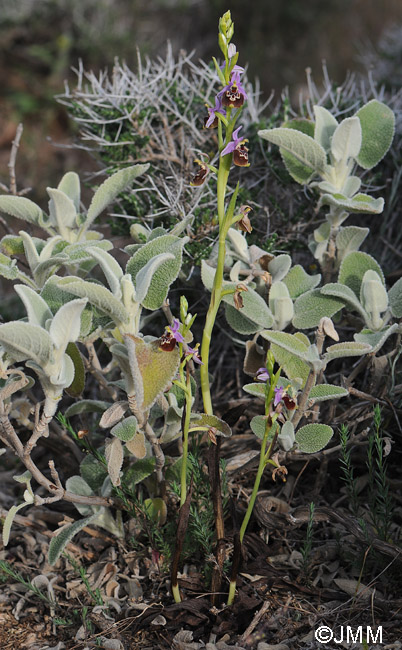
point(186, 427)
point(264, 456)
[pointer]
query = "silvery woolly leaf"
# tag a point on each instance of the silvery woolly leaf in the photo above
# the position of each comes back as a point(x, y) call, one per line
point(77, 485)
point(240, 323)
point(304, 148)
point(351, 186)
point(238, 243)
point(324, 392)
point(65, 326)
point(286, 438)
point(113, 414)
point(395, 299)
point(289, 342)
point(221, 428)
point(71, 186)
point(8, 268)
point(376, 339)
point(114, 454)
point(86, 406)
point(349, 239)
point(346, 139)
point(345, 293)
point(347, 349)
point(374, 298)
point(111, 269)
point(108, 191)
point(62, 211)
point(21, 208)
point(125, 430)
point(257, 426)
point(358, 204)
point(279, 267)
point(325, 125)
point(136, 446)
point(300, 172)
point(298, 281)
point(313, 437)
point(255, 389)
point(30, 250)
point(353, 268)
point(59, 542)
point(152, 367)
point(25, 341)
point(144, 276)
point(311, 306)
point(98, 296)
point(378, 127)
point(140, 470)
point(281, 305)
point(165, 274)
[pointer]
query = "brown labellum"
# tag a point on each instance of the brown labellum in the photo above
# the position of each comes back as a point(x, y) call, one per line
point(233, 98)
point(240, 156)
point(167, 342)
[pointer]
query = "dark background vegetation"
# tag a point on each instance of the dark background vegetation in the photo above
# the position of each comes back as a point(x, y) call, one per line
point(41, 40)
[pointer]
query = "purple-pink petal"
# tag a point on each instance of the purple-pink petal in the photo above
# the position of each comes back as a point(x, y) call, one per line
point(194, 352)
point(279, 391)
point(174, 329)
point(235, 141)
point(262, 374)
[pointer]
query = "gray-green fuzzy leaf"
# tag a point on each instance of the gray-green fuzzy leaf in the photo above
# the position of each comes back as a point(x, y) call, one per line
point(325, 125)
point(347, 349)
point(98, 296)
point(165, 274)
point(306, 150)
point(313, 437)
point(353, 268)
point(114, 454)
point(21, 208)
point(71, 186)
point(25, 341)
point(346, 139)
point(205, 420)
point(359, 204)
point(126, 429)
point(86, 406)
point(8, 268)
point(62, 211)
point(108, 191)
point(66, 324)
point(378, 127)
point(288, 342)
point(345, 294)
point(58, 543)
point(324, 392)
point(350, 239)
point(376, 339)
point(395, 299)
point(311, 306)
point(37, 309)
point(298, 281)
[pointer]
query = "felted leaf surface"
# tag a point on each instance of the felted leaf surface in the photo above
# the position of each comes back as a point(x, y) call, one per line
point(257, 426)
point(345, 293)
point(325, 125)
point(279, 266)
point(111, 268)
point(86, 406)
point(113, 414)
point(286, 438)
point(157, 368)
point(61, 210)
point(359, 204)
point(58, 543)
point(93, 472)
point(324, 392)
point(108, 191)
point(298, 281)
point(77, 485)
point(24, 341)
point(144, 276)
point(165, 274)
point(348, 349)
point(21, 208)
point(136, 445)
point(258, 390)
point(140, 470)
point(126, 429)
point(296, 169)
point(346, 139)
point(302, 147)
point(97, 295)
point(288, 342)
point(313, 437)
point(8, 268)
point(240, 323)
point(71, 186)
point(66, 323)
point(375, 339)
point(294, 367)
point(311, 306)
point(36, 307)
point(76, 388)
point(353, 268)
point(378, 126)
point(114, 454)
point(205, 420)
point(349, 239)
point(395, 299)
